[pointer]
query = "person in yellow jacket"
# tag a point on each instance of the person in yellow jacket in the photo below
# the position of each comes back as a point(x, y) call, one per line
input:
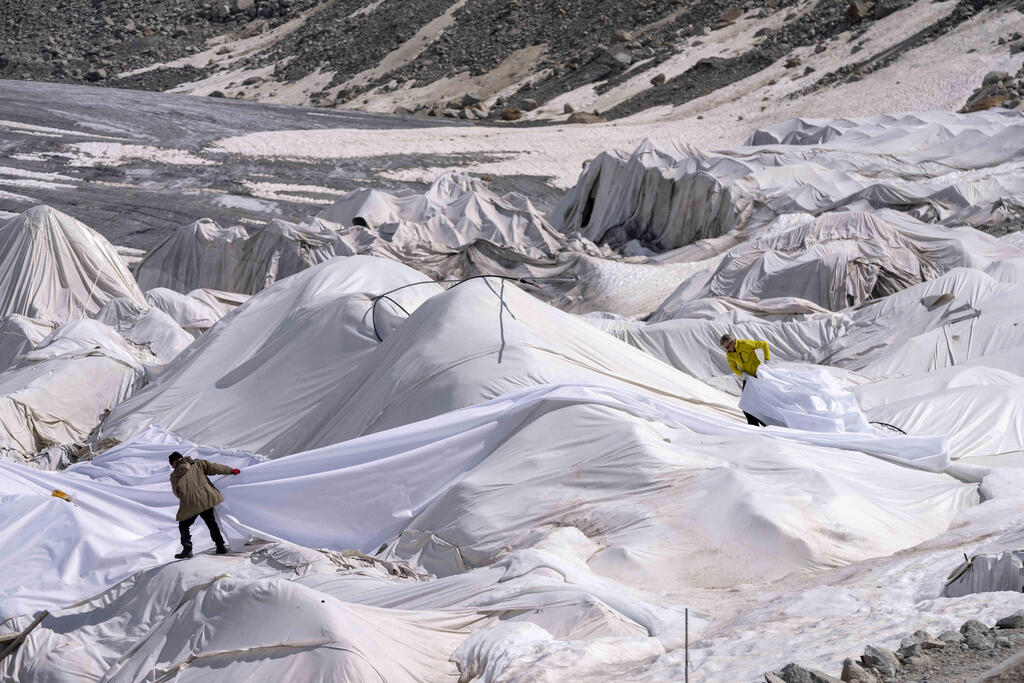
point(743, 360)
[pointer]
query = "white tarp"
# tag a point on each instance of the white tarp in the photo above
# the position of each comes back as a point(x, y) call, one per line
point(18, 335)
point(979, 409)
point(361, 493)
point(150, 329)
point(693, 345)
point(58, 393)
point(934, 165)
point(835, 260)
point(202, 254)
point(455, 212)
point(307, 344)
point(197, 311)
point(55, 268)
point(803, 397)
point(275, 359)
point(990, 572)
point(376, 623)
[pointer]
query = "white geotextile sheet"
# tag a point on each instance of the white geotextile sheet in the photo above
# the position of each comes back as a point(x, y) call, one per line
point(979, 408)
point(121, 520)
point(369, 488)
point(276, 359)
point(984, 573)
point(668, 194)
point(56, 268)
point(693, 345)
point(452, 214)
point(19, 334)
point(308, 343)
point(803, 397)
point(202, 254)
point(59, 391)
point(247, 617)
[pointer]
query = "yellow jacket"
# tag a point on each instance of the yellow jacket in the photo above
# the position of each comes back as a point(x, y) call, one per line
point(744, 358)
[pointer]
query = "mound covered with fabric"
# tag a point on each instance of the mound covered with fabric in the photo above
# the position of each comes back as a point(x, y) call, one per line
point(56, 268)
point(275, 360)
point(58, 392)
point(668, 195)
point(626, 467)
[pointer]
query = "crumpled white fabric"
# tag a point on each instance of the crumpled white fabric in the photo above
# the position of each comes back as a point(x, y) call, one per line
point(803, 397)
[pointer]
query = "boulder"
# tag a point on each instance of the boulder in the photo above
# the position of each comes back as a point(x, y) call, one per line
point(881, 660)
point(978, 641)
point(241, 5)
point(93, 75)
point(529, 105)
point(855, 673)
point(730, 15)
point(792, 61)
point(932, 644)
point(585, 117)
point(857, 12)
point(884, 8)
point(1015, 620)
point(511, 114)
point(403, 111)
point(995, 77)
point(918, 661)
point(973, 625)
point(951, 637)
point(794, 673)
point(469, 99)
point(987, 98)
point(659, 79)
point(623, 58)
point(252, 80)
point(567, 108)
point(216, 93)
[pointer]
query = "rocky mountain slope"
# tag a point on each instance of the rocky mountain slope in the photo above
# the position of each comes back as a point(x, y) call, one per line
point(497, 59)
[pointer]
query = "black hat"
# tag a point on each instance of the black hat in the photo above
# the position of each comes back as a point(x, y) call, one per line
point(174, 457)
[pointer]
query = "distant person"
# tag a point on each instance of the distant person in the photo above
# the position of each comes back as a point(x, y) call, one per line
point(742, 357)
point(197, 496)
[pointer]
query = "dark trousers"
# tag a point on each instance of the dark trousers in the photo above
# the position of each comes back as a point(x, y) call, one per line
point(211, 524)
point(751, 420)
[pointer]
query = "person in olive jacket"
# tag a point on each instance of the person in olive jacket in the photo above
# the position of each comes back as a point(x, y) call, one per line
point(197, 496)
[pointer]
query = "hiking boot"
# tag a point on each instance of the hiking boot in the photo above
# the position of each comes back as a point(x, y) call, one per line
point(184, 554)
point(223, 550)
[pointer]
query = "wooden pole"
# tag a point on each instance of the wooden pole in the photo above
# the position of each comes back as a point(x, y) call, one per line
point(687, 631)
point(14, 644)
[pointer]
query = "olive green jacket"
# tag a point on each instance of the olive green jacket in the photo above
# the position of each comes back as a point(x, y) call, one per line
point(193, 487)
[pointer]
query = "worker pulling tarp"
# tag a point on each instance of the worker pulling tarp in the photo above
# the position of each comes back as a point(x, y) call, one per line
point(804, 397)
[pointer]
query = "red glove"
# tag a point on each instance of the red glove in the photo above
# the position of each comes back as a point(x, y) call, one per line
point(236, 471)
